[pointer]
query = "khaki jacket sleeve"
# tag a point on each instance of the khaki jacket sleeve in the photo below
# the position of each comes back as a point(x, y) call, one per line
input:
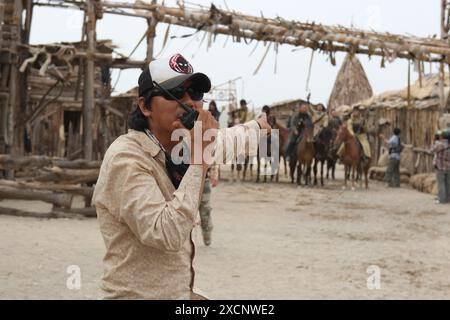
point(237, 141)
point(156, 222)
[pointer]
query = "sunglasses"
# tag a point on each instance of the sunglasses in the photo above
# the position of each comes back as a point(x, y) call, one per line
point(179, 93)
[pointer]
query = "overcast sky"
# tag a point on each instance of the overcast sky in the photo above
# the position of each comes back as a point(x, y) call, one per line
point(222, 63)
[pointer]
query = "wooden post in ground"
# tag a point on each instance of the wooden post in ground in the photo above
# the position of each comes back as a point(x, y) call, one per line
point(89, 78)
point(3, 95)
point(444, 36)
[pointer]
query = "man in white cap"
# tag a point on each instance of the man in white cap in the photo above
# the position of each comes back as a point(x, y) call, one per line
point(147, 203)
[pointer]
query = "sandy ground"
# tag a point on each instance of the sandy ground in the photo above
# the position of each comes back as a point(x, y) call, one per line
point(270, 241)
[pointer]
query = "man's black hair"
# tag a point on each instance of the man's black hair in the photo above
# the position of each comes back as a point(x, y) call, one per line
point(397, 131)
point(266, 109)
point(242, 102)
point(136, 120)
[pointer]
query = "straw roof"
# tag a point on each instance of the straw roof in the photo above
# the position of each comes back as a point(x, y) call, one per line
point(422, 95)
point(351, 84)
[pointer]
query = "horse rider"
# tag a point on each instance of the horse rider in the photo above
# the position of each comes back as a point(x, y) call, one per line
point(319, 118)
point(356, 126)
point(243, 115)
point(299, 119)
point(270, 118)
point(335, 120)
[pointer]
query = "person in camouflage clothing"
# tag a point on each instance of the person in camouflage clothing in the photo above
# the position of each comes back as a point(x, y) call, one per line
point(211, 181)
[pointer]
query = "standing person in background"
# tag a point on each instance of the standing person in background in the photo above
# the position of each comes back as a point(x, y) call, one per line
point(442, 151)
point(392, 176)
point(211, 181)
point(205, 209)
point(437, 138)
point(213, 109)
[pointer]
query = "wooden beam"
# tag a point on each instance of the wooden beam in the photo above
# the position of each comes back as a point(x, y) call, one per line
point(311, 35)
point(9, 162)
point(49, 187)
point(59, 199)
point(67, 176)
point(56, 213)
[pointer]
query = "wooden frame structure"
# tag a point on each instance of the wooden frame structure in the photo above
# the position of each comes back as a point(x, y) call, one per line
point(18, 57)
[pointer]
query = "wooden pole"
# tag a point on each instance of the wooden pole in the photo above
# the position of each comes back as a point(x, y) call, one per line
point(89, 103)
point(4, 96)
point(444, 36)
point(151, 33)
point(2, 17)
point(150, 39)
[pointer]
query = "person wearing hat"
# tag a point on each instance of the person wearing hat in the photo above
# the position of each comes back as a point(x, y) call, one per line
point(301, 118)
point(357, 127)
point(146, 201)
point(441, 149)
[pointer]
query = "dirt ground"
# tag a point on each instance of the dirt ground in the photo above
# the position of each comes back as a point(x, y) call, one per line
point(270, 241)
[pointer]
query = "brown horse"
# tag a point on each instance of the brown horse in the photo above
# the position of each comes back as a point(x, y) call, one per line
point(283, 134)
point(303, 156)
point(352, 156)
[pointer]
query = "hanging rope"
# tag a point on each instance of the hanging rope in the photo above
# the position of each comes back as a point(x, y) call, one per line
point(226, 40)
point(254, 49)
point(309, 71)
point(262, 60)
point(166, 37)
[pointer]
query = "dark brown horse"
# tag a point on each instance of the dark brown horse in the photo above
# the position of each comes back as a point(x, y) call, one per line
point(352, 156)
point(322, 145)
point(303, 156)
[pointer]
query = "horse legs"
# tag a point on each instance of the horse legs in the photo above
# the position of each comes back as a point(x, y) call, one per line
point(322, 164)
point(299, 173)
point(328, 168)
point(258, 166)
point(333, 169)
point(285, 167)
point(354, 174)
point(346, 169)
point(244, 173)
point(366, 173)
point(308, 174)
point(265, 170)
point(315, 171)
point(292, 165)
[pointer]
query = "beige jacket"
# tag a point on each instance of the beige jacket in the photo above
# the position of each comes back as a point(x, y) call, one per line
point(145, 222)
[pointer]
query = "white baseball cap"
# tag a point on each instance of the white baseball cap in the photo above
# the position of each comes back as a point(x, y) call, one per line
point(171, 72)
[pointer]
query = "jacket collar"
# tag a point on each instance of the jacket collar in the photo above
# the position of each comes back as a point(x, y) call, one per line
point(148, 144)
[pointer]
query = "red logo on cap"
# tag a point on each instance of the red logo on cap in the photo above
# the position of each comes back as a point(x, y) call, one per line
point(179, 64)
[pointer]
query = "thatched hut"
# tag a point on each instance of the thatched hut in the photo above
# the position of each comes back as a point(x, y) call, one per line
point(351, 84)
point(418, 114)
